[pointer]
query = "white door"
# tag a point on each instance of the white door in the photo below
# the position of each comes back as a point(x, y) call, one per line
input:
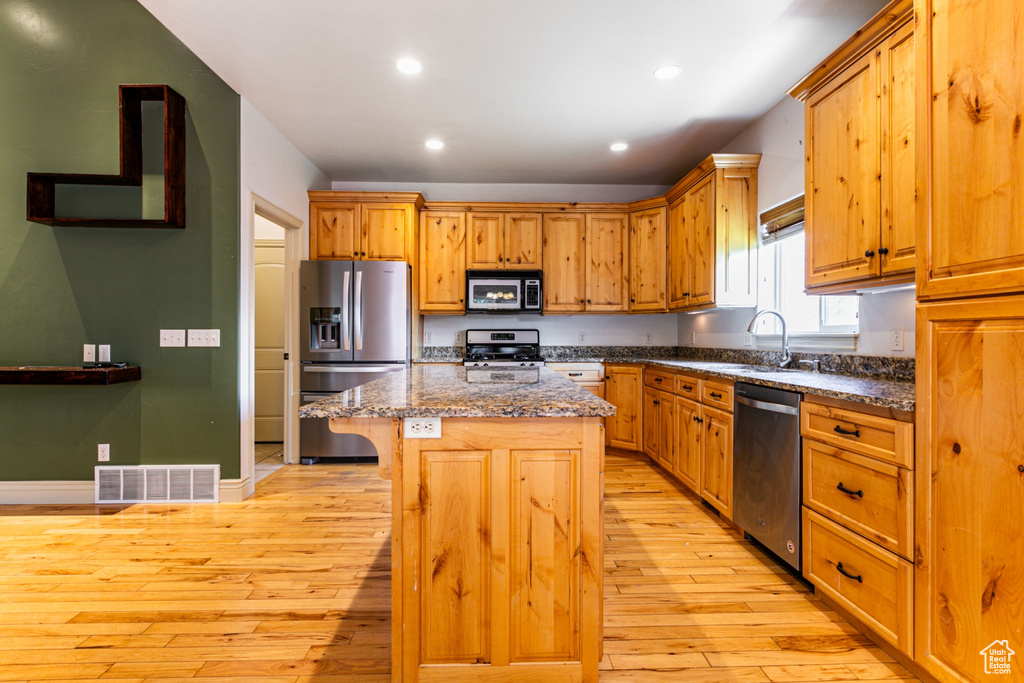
point(269, 341)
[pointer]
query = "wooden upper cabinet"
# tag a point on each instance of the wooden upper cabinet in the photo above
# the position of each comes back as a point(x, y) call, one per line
point(678, 265)
point(564, 254)
point(370, 226)
point(860, 188)
point(442, 281)
point(971, 165)
point(712, 234)
point(333, 231)
point(501, 240)
point(700, 242)
point(606, 283)
point(523, 237)
point(647, 256)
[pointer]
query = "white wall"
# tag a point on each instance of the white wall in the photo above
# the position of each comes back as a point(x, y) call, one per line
point(274, 169)
point(560, 330)
point(512, 192)
point(779, 136)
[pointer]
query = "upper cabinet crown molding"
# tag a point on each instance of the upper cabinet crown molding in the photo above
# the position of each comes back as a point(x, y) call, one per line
point(890, 17)
point(41, 204)
point(715, 161)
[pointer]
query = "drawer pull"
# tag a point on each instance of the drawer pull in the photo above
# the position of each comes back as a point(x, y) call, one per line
point(575, 374)
point(658, 380)
point(859, 578)
point(840, 430)
point(715, 395)
point(846, 490)
point(687, 387)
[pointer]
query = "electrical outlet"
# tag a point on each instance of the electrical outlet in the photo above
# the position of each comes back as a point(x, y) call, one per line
point(172, 337)
point(204, 337)
point(422, 427)
point(693, 337)
point(458, 338)
point(103, 452)
point(104, 354)
point(88, 353)
point(583, 338)
point(428, 337)
point(648, 338)
point(897, 339)
point(748, 338)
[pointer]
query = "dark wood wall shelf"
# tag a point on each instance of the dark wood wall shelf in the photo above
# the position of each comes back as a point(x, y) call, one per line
point(54, 374)
point(41, 186)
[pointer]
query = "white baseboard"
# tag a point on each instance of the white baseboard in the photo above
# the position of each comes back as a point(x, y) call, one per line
point(84, 492)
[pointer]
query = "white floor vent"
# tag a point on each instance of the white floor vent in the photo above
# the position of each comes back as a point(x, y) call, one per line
point(158, 484)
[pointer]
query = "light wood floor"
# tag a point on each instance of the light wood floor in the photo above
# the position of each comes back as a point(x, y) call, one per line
point(293, 585)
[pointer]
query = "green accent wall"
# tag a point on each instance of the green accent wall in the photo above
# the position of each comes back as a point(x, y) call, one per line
point(61, 288)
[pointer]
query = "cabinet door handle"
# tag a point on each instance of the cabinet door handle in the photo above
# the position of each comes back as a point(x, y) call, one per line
point(714, 394)
point(632, 301)
point(846, 490)
point(607, 377)
point(869, 253)
point(657, 403)
point(500, 259)
point(883, 250)
point(840, 430)
point(859, 577)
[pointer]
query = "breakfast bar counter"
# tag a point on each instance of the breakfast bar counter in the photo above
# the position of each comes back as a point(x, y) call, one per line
point(497, 519)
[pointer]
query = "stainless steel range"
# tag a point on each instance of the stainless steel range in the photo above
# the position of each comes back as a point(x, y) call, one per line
point(503, 349)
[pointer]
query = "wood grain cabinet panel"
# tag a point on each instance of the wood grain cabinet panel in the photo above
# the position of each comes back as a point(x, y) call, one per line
point(647, 260)
point(860, 178)
point(687, 462)
point(970, 483)
point(442, 282)
point(564, 266)
point(524, 237)
point(716, 458)
point(385, 231)
point(623, 389)
point(334, 232)
point(363, 226)
point(878, 437)
point(607, 283)
point(500, 240)
point(971, 162)
point(874, 584)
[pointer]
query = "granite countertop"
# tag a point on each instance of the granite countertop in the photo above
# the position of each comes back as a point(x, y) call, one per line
point(886, 393)
point(445, 391)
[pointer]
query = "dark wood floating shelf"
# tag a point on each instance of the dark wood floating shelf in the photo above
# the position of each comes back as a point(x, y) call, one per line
point(41, 186)
point(55, 374)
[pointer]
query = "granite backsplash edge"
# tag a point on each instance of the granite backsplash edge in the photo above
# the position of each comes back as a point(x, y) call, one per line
point(886, 367)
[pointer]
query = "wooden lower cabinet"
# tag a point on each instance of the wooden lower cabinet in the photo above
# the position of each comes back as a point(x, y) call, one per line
point(687, 463)
point(969, 589)
point(716, 459)
point(659, 430)
point(498, 567)
point(623, 389)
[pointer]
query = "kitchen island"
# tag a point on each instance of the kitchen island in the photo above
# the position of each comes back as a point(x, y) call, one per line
point(497, 519)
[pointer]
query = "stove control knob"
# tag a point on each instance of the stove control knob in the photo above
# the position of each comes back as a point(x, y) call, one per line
point(486, 364)
point(523, 364)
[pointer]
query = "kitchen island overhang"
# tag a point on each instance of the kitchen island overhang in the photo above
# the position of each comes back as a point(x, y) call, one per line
point(497, 522)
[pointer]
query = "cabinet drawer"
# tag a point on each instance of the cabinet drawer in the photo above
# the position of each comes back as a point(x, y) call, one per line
point(878, 501)
point(688, 387)
point(579, 372)
point(879, 437)
point(659, 379)
point(874, 584)
point(717, 394)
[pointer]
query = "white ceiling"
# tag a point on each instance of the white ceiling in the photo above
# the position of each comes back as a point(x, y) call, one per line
point(520, 91)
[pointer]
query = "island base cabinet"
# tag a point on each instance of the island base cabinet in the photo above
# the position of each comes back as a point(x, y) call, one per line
point(969, 583)
point(498, 551)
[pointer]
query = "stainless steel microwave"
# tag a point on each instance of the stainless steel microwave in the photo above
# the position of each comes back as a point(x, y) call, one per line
point(503, 291)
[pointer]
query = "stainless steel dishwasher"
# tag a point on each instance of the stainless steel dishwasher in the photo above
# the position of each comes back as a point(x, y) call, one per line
point(766, 468)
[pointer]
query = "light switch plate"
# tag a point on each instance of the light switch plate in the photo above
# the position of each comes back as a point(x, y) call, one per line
point(204, 337)
point(172, 337)
point(88, 353)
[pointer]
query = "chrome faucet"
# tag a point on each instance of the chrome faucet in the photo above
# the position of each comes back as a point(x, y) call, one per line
point(787, 357)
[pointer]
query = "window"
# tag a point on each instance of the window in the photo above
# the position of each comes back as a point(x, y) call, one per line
point(781, 286)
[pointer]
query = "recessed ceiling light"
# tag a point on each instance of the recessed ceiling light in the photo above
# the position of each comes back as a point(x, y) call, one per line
point(434, 144)
point(408, 65)
point(619, 146)
point(668, 71)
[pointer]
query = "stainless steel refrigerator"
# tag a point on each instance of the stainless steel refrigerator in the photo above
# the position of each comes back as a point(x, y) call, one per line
point(354, 328)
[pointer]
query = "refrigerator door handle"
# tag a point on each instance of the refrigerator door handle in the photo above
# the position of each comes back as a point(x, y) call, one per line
point(358, 316)
point(344, 310)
